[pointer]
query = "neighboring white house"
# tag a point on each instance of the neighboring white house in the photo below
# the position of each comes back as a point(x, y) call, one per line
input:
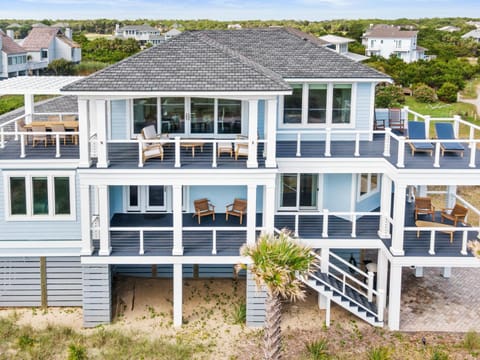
point(13, 58)
point(387, 40)
point(45, 44)
point(340, 45)
point(144, 34)
point(474, 34)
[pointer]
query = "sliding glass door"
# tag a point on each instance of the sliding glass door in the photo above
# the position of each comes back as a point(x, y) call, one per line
point(299, 191)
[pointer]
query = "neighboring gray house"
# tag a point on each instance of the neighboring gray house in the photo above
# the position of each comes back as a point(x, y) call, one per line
point(144, 34)
point(474, 34)
point(13, 58)
point(340, 45)
point(45, 44)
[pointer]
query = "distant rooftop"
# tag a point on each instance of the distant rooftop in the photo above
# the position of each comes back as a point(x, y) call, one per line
point(472, 34)
point(388, 31)
point(41, 37)
point(144, 27)
point(334, 39)
point(9, 46)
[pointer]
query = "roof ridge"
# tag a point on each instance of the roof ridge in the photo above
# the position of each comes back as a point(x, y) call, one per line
point(203, 36)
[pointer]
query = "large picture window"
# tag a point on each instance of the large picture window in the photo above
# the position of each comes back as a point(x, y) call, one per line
point(321, 105)
point(40, 196)
point(202, 115)
point(229, 117)
point(144, 113)
point(299, 191)
point(173, 115)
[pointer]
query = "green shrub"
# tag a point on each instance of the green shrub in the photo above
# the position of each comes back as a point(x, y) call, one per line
point(240, 313)
point(424, 94)
point(471, 341)
point(25, 341)
point(378, 353)
point(389, 96)
point(61, 67)
point(89, 67)
point(318, 350)
point(448, 92)
point(77, 352)
point(439, 355)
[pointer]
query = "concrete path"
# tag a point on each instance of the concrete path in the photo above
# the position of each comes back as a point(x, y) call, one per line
point(435, 303)
point(475, 102)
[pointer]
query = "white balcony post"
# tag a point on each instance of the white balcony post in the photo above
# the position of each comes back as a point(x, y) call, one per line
point(177, 294)
point(252, 133)
point(399, 216)
point(15, 125)
point(214, 151)
point(177, 152)
point(385, 207)
point(401, 152)
point(325, 223)
point(431, 250)
point(84, 133)
point(101, 121)
point(387, 141)
point(464, 243)
point(29, 106)
point(22, 145)
point(357, 144)
point(473, 152)
point(140, 152)
point(142, 243)
point(271, 125)
point(394, 297)
point(299, 144)
point(436, 162)
point(328, 141)
point(380, 304)
point(382, 271)
point(251, 213)
point(427, 126)
point(456, 124)
point(57, 146)
point(324, 260)
point(86, 220)
point(269, 208)
point(104, 213)
point(214, 242)
point(451, 198)
point(177, 220)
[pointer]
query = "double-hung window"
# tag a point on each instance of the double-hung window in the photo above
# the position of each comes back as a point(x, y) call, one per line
point(319, 105)
point(40, 197)
point(367, 185)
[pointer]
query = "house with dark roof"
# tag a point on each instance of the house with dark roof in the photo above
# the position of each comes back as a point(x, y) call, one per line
point(186, 151)
point(144, 34)
point(13, 58)
point(45, 44)
point(389, 40)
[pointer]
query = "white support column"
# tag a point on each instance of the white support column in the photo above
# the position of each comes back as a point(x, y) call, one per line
point(84, 136)
point(385, 207)
point(104, 213)
point(395, 297)
point(325, 258)
point(251, 213)
point(177, 294)
point(270, 136)
point(447, 272)
point(86, 220)
point(450, 199)
point(382, 271)
point(269, 208)
point(29, 107)
point(252, 133)
point(422, 190)
point(177, 220)
point(399, 223)
point(101, 121)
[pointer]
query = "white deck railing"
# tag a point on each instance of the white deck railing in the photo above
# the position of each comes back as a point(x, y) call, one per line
point(326, 218)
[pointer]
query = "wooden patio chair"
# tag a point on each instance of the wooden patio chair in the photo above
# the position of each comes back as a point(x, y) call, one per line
point(224, 147)
point(150, 151)
point(455, 214)
point(237, 208)
point(203, 207)
point(59, 128)
point(21, 128)
point(241, 149)
point(395, 120)
point(423, 206)
point(39, 137)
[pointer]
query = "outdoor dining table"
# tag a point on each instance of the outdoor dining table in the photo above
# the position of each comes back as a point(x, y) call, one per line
point(193, 145)
point(68, 125)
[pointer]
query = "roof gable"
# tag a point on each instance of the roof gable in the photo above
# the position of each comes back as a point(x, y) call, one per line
point(39, 38)
point(9, 46)
point(388, 31)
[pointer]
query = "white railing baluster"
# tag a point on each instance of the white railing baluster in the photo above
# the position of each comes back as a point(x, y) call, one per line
point(471, 137)
point(142, 250)
point(387, 141)
point(328, 140)
point(401, 152)
point(296, 224)
point(214, 242)
point(299, 144)
point(437, 155)
point(140, 153)
point(214, 147)
point(473, 153)
point(456, 124)
point(2, 139)
point(57, 145)
point(357, 144)
point(177, 152)
point(354, 226)
point(464, 242)
point(431, 251)
point(427, 126)
point(22, 145)
point(325, 223)
point(370, 278)
point(15, 124)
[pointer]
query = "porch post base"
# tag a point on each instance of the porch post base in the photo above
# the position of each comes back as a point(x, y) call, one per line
point(397, 252)
point(383, 235)
point(105, 252)
point(177, 251)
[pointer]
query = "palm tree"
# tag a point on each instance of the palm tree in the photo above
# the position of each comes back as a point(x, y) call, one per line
point(277, 261)
point(474, 246)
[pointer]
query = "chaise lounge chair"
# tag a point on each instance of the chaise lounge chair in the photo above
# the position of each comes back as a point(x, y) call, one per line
point(416, 131)
point(445, 131)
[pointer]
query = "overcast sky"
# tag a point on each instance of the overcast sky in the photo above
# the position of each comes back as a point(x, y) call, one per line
point(237, 9)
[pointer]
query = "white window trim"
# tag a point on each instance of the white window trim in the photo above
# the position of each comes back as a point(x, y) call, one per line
point(369, 192)
point(29, 199)
point(328, 124)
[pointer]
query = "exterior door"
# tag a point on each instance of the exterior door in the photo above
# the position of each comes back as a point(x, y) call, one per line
point(299, 191)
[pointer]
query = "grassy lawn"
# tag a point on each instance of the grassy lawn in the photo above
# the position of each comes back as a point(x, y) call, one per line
point(93, 36)
point(12, 102)
point(441, 109)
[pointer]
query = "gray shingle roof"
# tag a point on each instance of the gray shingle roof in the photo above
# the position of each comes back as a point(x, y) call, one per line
point(226, 60)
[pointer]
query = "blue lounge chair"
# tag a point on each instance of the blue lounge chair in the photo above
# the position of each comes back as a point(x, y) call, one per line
point(445, 132)
point(416, 131)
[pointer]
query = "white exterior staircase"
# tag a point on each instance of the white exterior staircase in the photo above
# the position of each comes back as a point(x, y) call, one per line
point(345, 289)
